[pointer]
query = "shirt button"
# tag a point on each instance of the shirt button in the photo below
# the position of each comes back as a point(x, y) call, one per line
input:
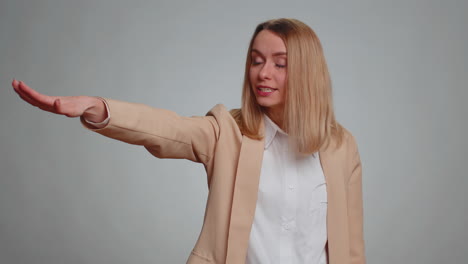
point(286, 226)
point(291, 187)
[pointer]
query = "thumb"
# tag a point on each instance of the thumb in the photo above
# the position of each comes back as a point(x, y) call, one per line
point(58, 109)
point(57, 106)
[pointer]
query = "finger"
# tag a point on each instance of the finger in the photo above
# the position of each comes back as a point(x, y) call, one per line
point(14, 83)
point(34, 95)
point(34, 103)
point(41, 101)
point(23, 96)
point(28, 99)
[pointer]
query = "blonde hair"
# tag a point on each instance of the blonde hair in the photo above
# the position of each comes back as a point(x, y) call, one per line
point(308, 113)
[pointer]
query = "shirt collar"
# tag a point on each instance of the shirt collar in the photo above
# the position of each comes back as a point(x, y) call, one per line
point(270, 130)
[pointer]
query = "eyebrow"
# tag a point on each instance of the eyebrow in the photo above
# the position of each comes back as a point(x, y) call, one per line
point(279, 53)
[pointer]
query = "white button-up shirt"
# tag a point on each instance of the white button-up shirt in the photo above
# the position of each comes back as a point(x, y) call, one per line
point(290, 218)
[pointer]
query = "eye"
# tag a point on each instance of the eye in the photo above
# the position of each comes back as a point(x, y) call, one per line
point(281, 63)
point(256, 61)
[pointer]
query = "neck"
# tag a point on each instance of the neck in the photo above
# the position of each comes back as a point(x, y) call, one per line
point(276, 116)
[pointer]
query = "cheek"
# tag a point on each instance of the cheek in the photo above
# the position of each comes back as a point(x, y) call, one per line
point(285, 79)
point(252, 77)
point(282, 80)
point(252, 74)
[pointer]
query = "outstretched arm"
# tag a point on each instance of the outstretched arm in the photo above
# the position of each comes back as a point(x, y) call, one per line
point(163, 133)
point(91, 108)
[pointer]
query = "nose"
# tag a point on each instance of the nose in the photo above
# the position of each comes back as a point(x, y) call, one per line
point(265, 71)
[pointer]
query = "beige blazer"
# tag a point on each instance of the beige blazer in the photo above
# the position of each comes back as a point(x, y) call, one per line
point(232, 163)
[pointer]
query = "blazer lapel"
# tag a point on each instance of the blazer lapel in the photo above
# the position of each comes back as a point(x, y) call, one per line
point(337, 230)
point(245, 198)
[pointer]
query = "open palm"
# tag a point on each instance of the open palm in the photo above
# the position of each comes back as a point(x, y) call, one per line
point(72, 106)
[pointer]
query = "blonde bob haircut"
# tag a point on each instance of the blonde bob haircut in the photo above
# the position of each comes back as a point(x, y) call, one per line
point(308, 118)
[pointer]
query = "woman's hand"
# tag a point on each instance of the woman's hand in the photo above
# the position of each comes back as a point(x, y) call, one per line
point(91, 108)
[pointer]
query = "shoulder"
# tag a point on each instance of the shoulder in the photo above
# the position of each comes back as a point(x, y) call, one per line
point(220, 112)
point(343, 149)
point(341, 139)
point(218, 109)
point(225, 119)
point(350, 150)
point(349, 140)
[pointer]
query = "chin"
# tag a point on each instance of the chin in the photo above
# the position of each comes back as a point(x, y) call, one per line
point(268, 104)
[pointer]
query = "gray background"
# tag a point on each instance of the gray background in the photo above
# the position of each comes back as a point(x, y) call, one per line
point(67, 195)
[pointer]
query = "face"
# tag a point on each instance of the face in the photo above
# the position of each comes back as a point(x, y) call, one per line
point(267, 72)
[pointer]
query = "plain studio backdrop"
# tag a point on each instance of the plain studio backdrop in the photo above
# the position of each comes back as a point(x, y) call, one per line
point(68, 195)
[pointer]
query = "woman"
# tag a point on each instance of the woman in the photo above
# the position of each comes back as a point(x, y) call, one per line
point(284, 177)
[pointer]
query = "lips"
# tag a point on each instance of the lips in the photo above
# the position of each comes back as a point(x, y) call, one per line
point(263, 90)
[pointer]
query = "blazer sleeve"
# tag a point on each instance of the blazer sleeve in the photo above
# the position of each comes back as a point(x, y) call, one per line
point(355, 206)
point(163, 133)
